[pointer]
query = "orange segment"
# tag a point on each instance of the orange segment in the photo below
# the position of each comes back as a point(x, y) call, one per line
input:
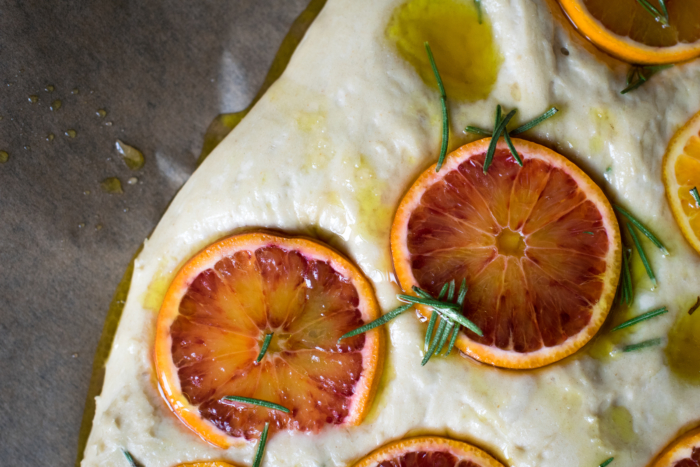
point(538, 245)
point(626, 30)
point(428, 451)
point(217, 312)
point(683, 452)
point(681, 173)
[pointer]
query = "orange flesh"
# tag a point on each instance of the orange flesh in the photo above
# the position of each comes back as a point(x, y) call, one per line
point(529, 243)
point(692, 461)
point(628, 18)
point(427, 459)
point(687, 170)
point(224, 317)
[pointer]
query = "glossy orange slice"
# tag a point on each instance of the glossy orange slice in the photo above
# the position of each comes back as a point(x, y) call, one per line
point(217, 312)
point(683, 452)
point(428, 451)
point(681, 173)
point(623, 28)
point(538, 245)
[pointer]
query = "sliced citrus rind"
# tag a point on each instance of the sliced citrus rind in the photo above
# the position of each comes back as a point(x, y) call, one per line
point(624, 20)
point(683, 452)
point(428, 451)
point(681, 173)
point(214, 318)
point(539, 247)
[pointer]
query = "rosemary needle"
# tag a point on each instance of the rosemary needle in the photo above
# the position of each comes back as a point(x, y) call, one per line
point(534, 122)
point(129, 458)
point(460, 301)
point(696, 196)
point(494, 140)
point(694, 307)
point(261, 403)
point(660, 17)
point(627, 291)
point(642, 254)
point(433, 316)
point(642, 345)
point(640, 318)
point(263, 350)
point(639, 75)
point(443, 103)
point(607, 462)
point(438, 336)
point(478, 10)
point(377, 322)
point(261, 446)
point(428, 302)
point(642, 229)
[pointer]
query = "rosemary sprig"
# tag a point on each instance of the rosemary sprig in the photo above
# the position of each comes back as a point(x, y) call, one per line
point(640, 318)
point(261, 446)
point(642, 254)
point(446, 310)
point(129, 458)
point(659, 16)
point(443, 103)
point(494, 140)
point(607, 462)
point(377, 322)
point(261, 403)
point(696, 196)
point(642, 345)
point(433, 318)
point(694, 307)
point(263, 350)
point(642, 229)
point(639, 75)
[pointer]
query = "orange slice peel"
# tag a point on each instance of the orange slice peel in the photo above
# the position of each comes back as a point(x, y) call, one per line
point(683, 452)
point(214, 319)
point(428, 451)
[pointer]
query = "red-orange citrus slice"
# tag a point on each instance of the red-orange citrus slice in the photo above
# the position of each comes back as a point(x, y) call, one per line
point(538, 245)
point(681, 173)
point(217, 312)
point(623, 28)
point(428, 451)
point(683, 452)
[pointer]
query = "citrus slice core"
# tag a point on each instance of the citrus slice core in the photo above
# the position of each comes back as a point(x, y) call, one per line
point(428, 451)
point(217, 313)
point(626, 30)
point(683, 452)
point(538, 245)
point(681, 173)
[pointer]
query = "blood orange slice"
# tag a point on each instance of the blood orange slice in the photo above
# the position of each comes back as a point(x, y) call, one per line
point(683, 452)
point(214, 319)
point(538, 245)
point(428, 451)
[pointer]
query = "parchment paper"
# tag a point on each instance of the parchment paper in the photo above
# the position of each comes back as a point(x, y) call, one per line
point(162, 70)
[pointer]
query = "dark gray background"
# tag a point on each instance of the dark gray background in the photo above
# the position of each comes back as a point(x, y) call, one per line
point(158, 68)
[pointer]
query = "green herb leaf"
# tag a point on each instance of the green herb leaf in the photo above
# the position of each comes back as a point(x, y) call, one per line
point(443, 103)
point(477, 3)
point(453, 339)
point(443, 339)
point(451, 291)
point(438, 337)
point(535, 121)
point(261, 403)
point(494, 140)
point(263, 350)
point(433, 316)
point(607, 462)
point(625, 292)
point(694, 307)
point(660, 17)
point(462, 292)
point(377, 322)
point(129, 458)
point(428, 302)
point(640, 318)
point(261, 446)
point(587, 232)
point(639, 75)
point(642, 254)
point(642, 345)
point(642, 229)
point(696, 196)
point(477, 131)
